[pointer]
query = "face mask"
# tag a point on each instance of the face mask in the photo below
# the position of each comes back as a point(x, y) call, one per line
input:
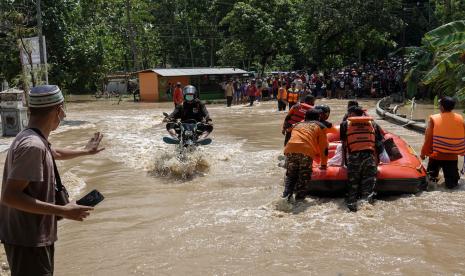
point(61, 115)
point(189, 98)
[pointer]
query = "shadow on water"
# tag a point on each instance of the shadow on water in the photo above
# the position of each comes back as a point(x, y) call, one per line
point(74, 122)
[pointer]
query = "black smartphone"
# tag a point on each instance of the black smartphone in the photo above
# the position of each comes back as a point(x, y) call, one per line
point(91, 199)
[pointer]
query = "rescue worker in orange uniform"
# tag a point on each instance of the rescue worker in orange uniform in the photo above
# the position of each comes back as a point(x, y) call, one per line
point(178, 97)
point(293, 95)
point(282, 96)
point(308, 140)
point(444, 142)
point(362, 139)
point(296, 114)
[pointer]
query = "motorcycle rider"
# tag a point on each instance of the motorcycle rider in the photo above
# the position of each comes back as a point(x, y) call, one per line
point(191, 109)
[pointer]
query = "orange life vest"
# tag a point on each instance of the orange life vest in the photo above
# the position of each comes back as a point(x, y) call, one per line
point(448, 133)
point(293, 96)
point(297, 113)
point(282, 94)
point(360, 134)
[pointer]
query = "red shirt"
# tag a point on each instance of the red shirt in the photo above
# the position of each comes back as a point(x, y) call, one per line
point(177, 96)
point(252, 90)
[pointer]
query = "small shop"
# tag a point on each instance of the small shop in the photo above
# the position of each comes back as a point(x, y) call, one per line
point(154, 84)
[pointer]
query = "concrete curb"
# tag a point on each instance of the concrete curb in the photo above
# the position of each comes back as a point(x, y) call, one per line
point(413, 125)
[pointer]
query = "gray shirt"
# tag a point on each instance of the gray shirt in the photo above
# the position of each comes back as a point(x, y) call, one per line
point(29, 159)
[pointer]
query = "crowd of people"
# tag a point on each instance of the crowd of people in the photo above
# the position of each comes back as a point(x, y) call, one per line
point(356, 81)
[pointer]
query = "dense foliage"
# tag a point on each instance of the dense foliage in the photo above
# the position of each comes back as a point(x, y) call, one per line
point(440, 61)
point(88, 39)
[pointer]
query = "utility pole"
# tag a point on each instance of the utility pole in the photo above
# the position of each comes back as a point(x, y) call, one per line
point(42, 65)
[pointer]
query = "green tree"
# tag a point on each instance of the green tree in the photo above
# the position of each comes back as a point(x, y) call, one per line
point(262, 27)
point(440, 62)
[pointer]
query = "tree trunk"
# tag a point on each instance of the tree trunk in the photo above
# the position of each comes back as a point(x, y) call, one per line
point(263, 63)
point(447, 11)
point(131, 35)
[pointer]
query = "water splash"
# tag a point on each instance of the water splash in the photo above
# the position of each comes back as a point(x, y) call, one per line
point(283, 205)
point(73, 183)
point(170, 164)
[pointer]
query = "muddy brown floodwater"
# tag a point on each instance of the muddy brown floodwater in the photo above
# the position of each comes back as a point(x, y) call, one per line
point(217, 214)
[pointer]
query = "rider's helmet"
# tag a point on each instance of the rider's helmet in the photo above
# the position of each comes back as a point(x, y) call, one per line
point(324, 108)
point(189, 92)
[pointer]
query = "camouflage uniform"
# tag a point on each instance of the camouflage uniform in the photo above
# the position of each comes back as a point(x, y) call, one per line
point(362, 169)
point(298, 175)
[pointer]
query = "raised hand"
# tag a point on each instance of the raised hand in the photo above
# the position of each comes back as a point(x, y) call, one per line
point(92, 146)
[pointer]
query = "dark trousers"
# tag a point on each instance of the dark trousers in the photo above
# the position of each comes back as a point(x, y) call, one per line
point(287, 137)
point(229, 100)
point(281, 105)
point(251, 100)
point(25, 261)
point(449, 168)
point(361, 171)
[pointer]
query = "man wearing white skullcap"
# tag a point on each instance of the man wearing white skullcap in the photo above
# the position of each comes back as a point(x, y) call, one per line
point(30, 203)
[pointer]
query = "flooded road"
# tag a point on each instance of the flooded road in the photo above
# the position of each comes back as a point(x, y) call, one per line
point(161, 218)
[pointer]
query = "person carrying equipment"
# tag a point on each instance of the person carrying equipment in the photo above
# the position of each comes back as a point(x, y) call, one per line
point(295, 115)
point(361, 139)
point(444, 142)
point(307, 141)
point(191, 109)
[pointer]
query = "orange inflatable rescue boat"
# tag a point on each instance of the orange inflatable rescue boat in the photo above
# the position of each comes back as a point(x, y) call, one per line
point(404, 175)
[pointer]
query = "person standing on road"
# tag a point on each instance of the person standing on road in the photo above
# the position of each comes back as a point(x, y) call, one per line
point(229, 92)
point(293, 95)
point(252, 91)
point(282, 96)
point(444, 142)
point(28, 206)
point(177, 95)
point(237, 92)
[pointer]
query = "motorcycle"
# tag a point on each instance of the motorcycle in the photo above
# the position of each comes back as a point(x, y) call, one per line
point(188, 136)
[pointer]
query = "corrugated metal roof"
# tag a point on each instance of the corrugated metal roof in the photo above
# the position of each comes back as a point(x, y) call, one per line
point(173, 72)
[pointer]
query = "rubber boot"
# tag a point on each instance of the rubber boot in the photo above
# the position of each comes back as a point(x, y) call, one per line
point(289, 186)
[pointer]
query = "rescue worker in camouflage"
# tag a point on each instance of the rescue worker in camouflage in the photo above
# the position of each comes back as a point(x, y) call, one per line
point(362, 139)
point(308, 140)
